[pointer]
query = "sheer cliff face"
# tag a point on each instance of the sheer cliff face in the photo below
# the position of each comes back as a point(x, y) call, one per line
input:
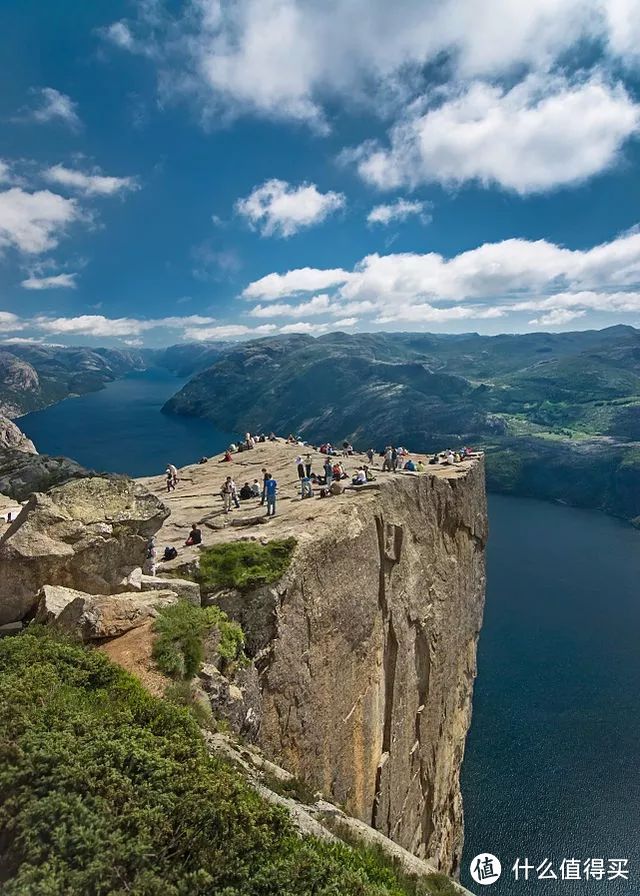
point(367, 680)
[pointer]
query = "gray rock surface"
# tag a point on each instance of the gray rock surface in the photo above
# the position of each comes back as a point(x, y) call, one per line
point(13, 437)
point(88, 534)
point(22, 473)
point(186, 590)
point(94, 617)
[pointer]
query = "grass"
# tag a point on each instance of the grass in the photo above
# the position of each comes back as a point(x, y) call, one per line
point(105, 789)
point(244, 564)
point(180, 632)
point(375, 857)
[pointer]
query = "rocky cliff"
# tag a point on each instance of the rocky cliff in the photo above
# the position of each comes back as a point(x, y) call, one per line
point(365, 649)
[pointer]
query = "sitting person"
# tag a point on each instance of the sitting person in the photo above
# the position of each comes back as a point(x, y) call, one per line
point(435, 459)
point(419, 467)
point(360, 478)
point(410, 466)
point(368, 473)
point(306, 489)
point(245, 492)
point(227, 457)
point(195, 536)
point(255, 488)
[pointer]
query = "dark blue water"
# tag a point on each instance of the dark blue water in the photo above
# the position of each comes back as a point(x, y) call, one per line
point(121, 429)
point(553, 755)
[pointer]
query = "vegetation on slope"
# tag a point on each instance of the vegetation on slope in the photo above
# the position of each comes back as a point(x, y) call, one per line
point(244, 564)
point(180, 632)
point(105, 789)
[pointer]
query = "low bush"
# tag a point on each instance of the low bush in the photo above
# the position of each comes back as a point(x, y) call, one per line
point(107, 790)
point(244, 564)
point(180, 632)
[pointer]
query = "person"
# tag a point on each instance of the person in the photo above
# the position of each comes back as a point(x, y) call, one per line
point(174, 474)
point(338, 471)
point(369, 474)
point(328, 472)
point(227, 457)
point(307, 465)
point(151, 561)
point(449, 459)
point(360, 478)
point(388, 460)
point(394, 459)
point(229, 494)
point(306, 489)
point(255, 489)
point(300, 467)
point(245, 492)
point(419, 467)
point(170, 483)
point(370, 455)
point(410, 466)
point(264, 486)
point(195, 536)
point(271, 489)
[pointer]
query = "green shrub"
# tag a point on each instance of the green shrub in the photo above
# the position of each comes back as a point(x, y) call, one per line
point(180, 632)
point(244, 564)
point(106, 790)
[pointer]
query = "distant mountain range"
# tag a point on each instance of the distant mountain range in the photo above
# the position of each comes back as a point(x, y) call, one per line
point(558, 414)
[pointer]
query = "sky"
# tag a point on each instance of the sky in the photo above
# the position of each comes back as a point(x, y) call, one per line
point(228, 169)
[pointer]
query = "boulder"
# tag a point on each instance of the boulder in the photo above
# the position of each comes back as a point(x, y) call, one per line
point(22, 473)
point(186, 590)
point(13, 437)
point(88, 534)
point(94, 617)
point(236, 701)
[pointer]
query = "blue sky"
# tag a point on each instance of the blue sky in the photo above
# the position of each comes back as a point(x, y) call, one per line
point(208, 169)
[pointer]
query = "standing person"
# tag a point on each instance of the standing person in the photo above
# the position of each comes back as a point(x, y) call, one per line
point(170, 481)
point(265, 476)
point(300, 467)
point(174, 473)
point(394, 459)
point(151, 560)
point(234, 494)
point(225, 491)
point(388, 460)
point(370, 455)
point(271, 489)
point(328, 472)
point(307, 465)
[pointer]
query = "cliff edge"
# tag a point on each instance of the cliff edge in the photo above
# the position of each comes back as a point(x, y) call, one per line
point(365, 650)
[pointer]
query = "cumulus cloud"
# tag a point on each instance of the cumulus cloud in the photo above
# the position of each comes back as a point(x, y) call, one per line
point(90, 184)
point(557, 318)
point(279, 209)
point(10, 323)
point(345, 322)
point(286, 58)
point(277, 286)
point(100, 326)
point(51, 105)
point(317, 305)
point(55, 281)
point(399, 210)
point(34, 222)
point(227, 331)
point(491, 281)
point(542, 133)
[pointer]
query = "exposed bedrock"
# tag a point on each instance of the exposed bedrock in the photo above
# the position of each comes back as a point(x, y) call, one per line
point(367, 673)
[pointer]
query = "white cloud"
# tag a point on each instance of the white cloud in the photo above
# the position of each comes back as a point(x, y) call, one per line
point(100, 326)
point(303, 327)
point(119, 34)
point(56, 281)
point(6, 175)
point(346, 322)
point(54, 106)
point(286, 59)
point(34, 222)
point(10, 323)
point(89, 184)
point(557, 318)
point(317, 305)
point(277, 286)
point(227, 331)
point(134, 343)
point(399, 210)
point(279, 209)
point(542, 133)
point(491, 281)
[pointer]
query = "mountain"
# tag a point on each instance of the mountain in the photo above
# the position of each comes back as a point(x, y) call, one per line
point(558, 414)
point(34, 376)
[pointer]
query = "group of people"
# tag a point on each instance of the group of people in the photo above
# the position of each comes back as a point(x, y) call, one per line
point(267, 492)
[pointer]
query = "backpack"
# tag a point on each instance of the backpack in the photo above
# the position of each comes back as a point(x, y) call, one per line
point(170, 553)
